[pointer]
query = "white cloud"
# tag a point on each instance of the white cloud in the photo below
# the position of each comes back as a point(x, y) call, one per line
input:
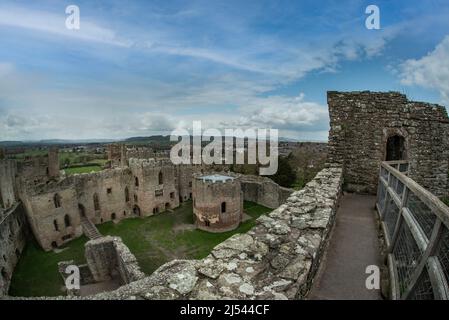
point(430, 71)
point(284, 113)
point(55, 24)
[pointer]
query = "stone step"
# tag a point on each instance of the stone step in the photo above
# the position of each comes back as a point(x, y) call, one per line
point(89, 229)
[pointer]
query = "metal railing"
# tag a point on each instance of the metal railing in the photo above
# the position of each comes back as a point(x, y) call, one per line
point(415, 224)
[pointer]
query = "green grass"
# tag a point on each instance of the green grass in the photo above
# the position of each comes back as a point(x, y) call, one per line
point(153, 240)
point(86, 169)
point(446, 200)
point(37, 274)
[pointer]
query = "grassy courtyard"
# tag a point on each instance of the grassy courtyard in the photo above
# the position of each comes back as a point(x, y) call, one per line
point(153, 240)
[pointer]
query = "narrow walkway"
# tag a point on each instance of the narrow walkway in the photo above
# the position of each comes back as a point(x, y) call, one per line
point(353, 247)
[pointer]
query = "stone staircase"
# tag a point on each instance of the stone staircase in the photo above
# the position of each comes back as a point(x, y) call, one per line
point(89, 229)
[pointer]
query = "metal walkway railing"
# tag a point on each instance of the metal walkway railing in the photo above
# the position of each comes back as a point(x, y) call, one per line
point(415, 224)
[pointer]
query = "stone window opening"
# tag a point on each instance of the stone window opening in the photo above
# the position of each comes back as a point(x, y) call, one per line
point(54, 245)
point(207, 223)
point(57, 200)
point(109, 190)
point(96, 202)
point(136, 210)
point(4, 258)
point(81, 210)
point(160, 178)
point(395, 148)
point(67, 221)
point(55, 225)
point(136, 181)
point(126, 194)
point(135, 198)
point(4, 274)
point(223, 207)
point(172, 195)
point(113, 216)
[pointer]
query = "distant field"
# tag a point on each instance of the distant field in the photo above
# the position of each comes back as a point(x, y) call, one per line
point(153, 240)
point(86, 169)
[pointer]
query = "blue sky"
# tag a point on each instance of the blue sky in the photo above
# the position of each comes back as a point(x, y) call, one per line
point(148, 67)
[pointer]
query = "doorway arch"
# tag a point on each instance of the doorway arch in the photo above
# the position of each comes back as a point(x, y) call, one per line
point(81, 210)
point(395, 148)
point(136, 210)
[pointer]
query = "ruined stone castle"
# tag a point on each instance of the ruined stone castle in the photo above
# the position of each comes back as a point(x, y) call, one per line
point(55, 209)
point(279, 257)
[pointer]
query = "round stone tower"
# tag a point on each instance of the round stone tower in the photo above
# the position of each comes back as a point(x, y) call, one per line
point(217, 202)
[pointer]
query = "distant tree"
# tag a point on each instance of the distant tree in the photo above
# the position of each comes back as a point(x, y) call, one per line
point(285, 176)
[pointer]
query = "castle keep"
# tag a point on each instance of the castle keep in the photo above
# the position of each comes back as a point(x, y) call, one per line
point(217, 202)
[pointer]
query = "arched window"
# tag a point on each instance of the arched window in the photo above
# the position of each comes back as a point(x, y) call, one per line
point(223, 207)
point(126, 194)
point(96, 202)
point(395, 148)
point(57, 200)
point(136, 181)
point(67, 220)
point(55, 224)
point(160, 178)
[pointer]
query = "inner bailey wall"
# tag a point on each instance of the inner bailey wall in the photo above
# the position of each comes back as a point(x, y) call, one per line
point(8, 186)
point(361, 123)
point(13, 237)
point(276, 259)
point(264, 191)
point(103, 196)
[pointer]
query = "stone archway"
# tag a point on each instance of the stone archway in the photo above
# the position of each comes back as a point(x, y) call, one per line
point(81, 210)
point(395, 148)
point(395, 144)
point(136, 210)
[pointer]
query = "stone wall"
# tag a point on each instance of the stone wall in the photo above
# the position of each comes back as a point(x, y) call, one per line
point(108, 257)
point(264, 191)
point(8, 187)
point(103, 196)
point(277, 259)
point(13, 237)
point(209, 197)
point(361, 123)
